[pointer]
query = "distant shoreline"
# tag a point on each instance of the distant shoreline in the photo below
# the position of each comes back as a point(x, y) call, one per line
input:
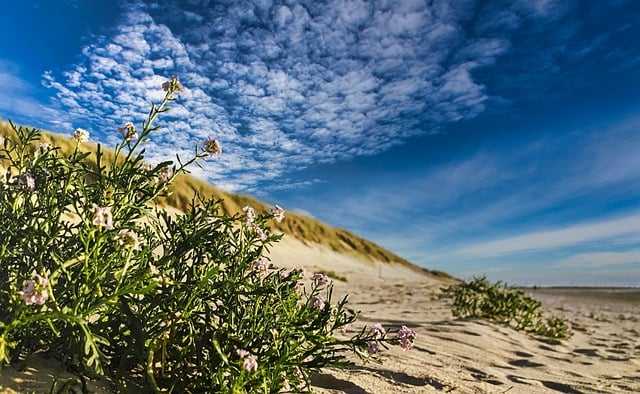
point(593, 295)
point(603, 288)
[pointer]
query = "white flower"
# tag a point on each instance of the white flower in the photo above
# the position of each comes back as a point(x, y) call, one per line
point(278, 213)
point(261, 234)
point(250, 214)
point(128, 238)
point(102, 217)
point(81, 135)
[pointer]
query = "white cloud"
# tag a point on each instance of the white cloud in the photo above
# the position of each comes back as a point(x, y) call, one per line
point(281, 86)
point(599, 259)
point(604, 231)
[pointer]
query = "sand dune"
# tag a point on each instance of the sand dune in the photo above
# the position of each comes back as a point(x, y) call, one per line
point(451, 355)
point(470, 356)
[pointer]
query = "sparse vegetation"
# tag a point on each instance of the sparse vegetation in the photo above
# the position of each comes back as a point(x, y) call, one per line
point(303, 228)
point(498, 302)
point(334, 275)
point(94, 272)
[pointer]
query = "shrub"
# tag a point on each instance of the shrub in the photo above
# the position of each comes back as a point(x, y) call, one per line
point(508, 305)
point(91, 269)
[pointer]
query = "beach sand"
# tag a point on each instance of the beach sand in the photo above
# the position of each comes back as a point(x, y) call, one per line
point(473, 356)
point(451, 355)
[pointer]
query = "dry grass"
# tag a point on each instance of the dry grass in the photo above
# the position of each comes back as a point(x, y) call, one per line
point(303, 228)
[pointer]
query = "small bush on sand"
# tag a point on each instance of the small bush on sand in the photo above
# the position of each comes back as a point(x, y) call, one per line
point(92, 270)
point(478, 298)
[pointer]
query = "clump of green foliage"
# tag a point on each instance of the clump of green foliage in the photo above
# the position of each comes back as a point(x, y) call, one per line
point(498, 302)
point(94, 272)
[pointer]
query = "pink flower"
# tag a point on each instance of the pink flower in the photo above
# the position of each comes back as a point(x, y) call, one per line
point(249, 361)
point(406, 337)
point(212, 147)
point(102, 217)
point(318, 301)
point(320, 279)
point(378, 331)
point(163, 175)
point(260, 266)
point(128, 132)
point(81, 135)
point(373, 347)
point(35, 292)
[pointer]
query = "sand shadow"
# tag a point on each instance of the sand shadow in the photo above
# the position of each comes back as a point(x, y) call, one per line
point(407, 379)
point(484, 377)
point(327, 381)
point(523, 362)
point(563, 388)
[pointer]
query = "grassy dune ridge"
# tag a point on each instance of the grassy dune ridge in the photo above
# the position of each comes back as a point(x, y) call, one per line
point(306, 229)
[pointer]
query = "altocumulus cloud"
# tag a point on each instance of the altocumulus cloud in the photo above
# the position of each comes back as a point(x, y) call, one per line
point(282, 86)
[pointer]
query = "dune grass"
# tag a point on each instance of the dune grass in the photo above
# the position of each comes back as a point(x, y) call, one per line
point(301, 227)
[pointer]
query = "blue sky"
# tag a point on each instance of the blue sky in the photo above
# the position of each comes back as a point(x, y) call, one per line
point(474, 137)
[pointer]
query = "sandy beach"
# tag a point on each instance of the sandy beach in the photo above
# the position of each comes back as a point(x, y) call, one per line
point(472, 356)
point(450, 355)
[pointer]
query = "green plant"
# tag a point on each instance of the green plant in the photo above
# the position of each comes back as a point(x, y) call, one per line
point(478, 298)
point(93, 270)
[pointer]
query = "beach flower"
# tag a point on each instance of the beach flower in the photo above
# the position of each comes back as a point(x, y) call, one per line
point(27, 182)
point(278, 213)
point(163, 175)
point(102, 217)
point(300, 271)
point(373, 347)
point(44, 146)
point(378, 331)
point(406, 337)
point(261, 234)
point(212, 147)
point(128, 239)
point(81, 135)
point(172, 85)
point(320, 279)
point(34, 291)
point(250, 215)
point(318, 301)
point(128, 131)
point(260, 266)
point(249, 361)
